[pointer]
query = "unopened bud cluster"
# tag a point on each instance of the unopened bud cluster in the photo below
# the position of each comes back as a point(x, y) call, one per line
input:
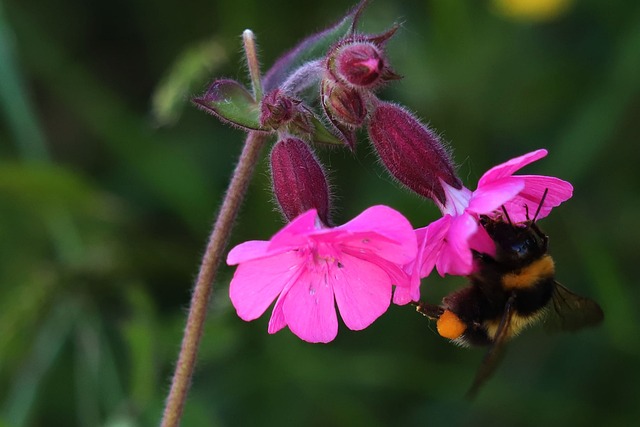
point(352, 69)
point(343, 83)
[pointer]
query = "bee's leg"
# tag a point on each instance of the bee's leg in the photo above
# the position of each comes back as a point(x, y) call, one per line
point(431, 311)
point(496, 351)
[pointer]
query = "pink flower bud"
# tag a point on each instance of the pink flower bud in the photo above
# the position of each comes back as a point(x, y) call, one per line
point(343, 104)
point(360, 64)
point(412, 153)
point(299, 183)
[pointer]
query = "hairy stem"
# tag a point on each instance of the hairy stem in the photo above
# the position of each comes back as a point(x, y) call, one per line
point(249, 45)
point(204, 283)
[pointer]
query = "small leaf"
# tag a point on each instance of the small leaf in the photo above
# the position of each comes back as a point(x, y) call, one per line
point(232, 103)
point(322, 135)
point(311, 48)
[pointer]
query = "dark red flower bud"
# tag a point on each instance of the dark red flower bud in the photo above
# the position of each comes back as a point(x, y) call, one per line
point(343, 104)
point(299, 183)
point(412, 153)
point(277, 109)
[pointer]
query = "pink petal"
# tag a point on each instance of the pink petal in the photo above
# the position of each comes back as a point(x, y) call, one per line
point(373, 244)
point(257, 283)
point(309, 308)
point(530, 197)
point(362, 291)
point(407, 284)
point(481, 242)
point(277, 320)
point(398, 276)
point(384, 232)
point(248, 251)
point(490, 196)
point(508, 168)
point(404, 295)
point(380, 219)
point(433, 237)
point(296, 232)
point(455, 257)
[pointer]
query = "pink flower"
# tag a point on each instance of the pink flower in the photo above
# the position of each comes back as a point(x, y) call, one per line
point(447, 242)
point(310, 268)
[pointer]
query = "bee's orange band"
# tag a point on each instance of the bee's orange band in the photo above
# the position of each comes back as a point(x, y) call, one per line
point(450, 326)
point(528, 276)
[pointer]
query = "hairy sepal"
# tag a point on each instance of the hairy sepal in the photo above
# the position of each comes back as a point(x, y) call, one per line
point(313, 47)
point(229, 101)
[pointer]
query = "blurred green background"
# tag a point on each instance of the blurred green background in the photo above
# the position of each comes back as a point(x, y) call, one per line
point(110, 179)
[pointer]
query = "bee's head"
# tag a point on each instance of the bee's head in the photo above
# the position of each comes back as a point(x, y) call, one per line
point(517, 244)
point(520, 243)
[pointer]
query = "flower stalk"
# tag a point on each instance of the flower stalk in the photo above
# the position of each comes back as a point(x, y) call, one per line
point(213, 255)
point(249, 43)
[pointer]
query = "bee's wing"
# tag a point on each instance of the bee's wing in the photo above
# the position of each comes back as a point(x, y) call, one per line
point(570, 312)
point(494, 354)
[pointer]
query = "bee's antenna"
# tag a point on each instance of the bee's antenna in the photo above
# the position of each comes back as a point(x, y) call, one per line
point(526, 211)
point(544, 196)
point(506, 215)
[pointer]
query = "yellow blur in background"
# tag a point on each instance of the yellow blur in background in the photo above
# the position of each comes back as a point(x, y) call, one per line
point(532, 10)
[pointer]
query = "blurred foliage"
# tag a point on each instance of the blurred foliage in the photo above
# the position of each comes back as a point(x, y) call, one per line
point(193, 65)
point(103, 215)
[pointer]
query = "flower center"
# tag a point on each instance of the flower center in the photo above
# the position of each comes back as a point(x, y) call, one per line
point(325, 255)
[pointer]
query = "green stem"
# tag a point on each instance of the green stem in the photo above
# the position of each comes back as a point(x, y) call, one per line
point(203, 287)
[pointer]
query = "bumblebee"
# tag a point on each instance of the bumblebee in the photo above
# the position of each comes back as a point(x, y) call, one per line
point(510, 291)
